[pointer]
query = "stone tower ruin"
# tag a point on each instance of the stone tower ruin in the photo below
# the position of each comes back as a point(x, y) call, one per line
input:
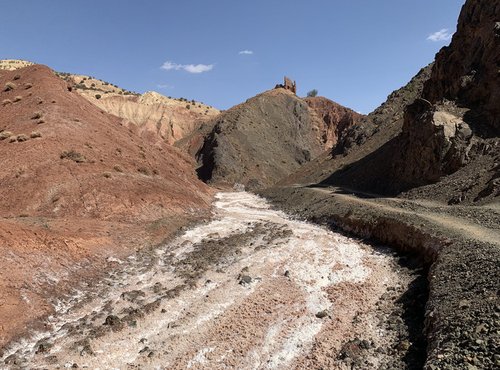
point(288, 84)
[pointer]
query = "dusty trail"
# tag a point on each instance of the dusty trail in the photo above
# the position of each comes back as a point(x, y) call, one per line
point(456, 225)
point(251, 289)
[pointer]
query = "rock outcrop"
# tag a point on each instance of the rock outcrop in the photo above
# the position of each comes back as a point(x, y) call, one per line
point(458, 120)
point(334, 119)
point(467, 71)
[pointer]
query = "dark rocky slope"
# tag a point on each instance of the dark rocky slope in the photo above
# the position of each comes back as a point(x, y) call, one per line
point(362, 140)
point(268, 137)
point(444, 145)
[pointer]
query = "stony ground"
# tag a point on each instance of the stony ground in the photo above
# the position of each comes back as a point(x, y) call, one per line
point(250, 289)
point(460, 245)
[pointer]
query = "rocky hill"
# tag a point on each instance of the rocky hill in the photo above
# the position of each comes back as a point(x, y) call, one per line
point(370, 133)
point(78, 184)
point(159, 118)
point(268, 137)
point(422, 174)
point(435, 138)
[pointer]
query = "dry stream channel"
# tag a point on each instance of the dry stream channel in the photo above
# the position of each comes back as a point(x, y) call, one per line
point(252, 288)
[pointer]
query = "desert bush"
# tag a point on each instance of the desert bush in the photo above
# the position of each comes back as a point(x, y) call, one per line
point(16, 77)
point(28, 85)
point(35, 134)
point(107, 175)
point(118, 169)
point(36, 115)
point(5, 135)
point(9, 86)
point(312, 93)
point(40, 121)
point(6, 102)
point(143, 170)
point(22, 137)
point(17, 99)
point(98, 96)
point(188, 106)
point(73, 155)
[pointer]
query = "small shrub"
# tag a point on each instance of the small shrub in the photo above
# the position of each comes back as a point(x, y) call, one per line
point(98, 96)
point(107, 175)
point(35, 134)
point(36, 115)
point(118, 169)
point(18, 99)
point(73, 155)
point(143, 170)
point(188, 106)
point(9, 86)
point(6, 102)
point(21, 138)
point(5, 135)
point(40, 121)
point(28, 85)
point(16, 77)
point(312, 93)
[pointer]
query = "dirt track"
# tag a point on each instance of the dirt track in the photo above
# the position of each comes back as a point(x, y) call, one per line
point(432, 211)
point(251, 289)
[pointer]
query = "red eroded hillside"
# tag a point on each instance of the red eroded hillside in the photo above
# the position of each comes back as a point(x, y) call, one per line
point(77, 186)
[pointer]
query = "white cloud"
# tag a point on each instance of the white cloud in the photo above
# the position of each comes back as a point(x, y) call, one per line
point(164, 86)
point(246, 52)
point(191, 68)
point(441, 35)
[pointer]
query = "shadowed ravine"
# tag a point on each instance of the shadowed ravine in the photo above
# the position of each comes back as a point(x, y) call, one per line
point(250, 289)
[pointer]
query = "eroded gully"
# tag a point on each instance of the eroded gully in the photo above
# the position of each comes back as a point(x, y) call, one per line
point(250, 289)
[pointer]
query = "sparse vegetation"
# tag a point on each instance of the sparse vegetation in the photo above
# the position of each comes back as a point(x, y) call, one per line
point(118, 169)
point(36, 115)
point(9, 86)
point(16, 77)
point(21, 138)
point(5, 135)
point(35, 134)
point(18, 99)
point(312, 93)
point(73, 155)
point(98, 96)
point(28, 85)
point(143, 170)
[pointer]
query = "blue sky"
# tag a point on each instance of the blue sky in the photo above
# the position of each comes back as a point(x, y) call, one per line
point(354, 52)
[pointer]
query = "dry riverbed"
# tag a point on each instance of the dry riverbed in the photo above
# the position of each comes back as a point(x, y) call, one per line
point(249, 289)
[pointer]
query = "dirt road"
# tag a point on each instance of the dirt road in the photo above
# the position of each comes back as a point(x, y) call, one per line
point(431, 211)
point(250, 289)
